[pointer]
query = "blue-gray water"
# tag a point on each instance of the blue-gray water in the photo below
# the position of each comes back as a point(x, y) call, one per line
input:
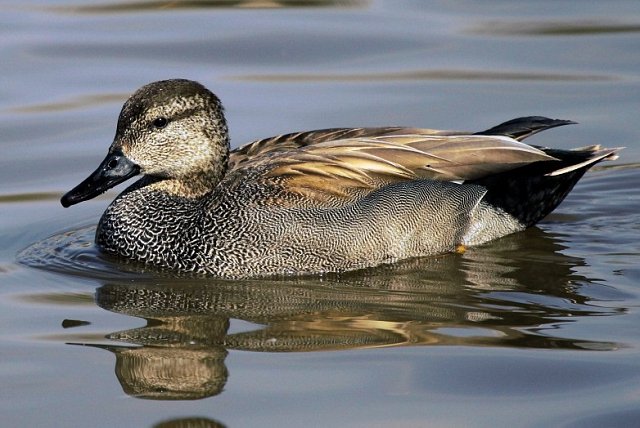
point(536, 329)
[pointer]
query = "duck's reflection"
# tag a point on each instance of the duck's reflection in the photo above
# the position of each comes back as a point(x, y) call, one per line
point(177, 359)
point(512, 293)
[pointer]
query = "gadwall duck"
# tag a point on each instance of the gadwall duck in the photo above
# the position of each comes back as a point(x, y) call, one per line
point(329, 200)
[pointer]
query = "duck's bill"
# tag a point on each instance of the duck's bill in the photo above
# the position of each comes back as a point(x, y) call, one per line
point(113, 170)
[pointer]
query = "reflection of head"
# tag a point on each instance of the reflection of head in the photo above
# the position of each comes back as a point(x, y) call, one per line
point(171, 373)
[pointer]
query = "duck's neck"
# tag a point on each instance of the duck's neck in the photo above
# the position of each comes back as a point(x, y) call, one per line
point(192, 187)
point(200, 182)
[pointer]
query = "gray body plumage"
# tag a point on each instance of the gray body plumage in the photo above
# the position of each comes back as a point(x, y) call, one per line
point(231, 234)
point(321, 201)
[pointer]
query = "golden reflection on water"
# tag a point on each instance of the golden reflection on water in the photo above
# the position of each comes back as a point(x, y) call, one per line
point(512, 293)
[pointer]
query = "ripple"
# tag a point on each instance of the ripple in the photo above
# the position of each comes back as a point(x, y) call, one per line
point(160, 6)
point(443, 74)
point(76, 103)
point(577, 28)
point(73, 253)
point(29, 197)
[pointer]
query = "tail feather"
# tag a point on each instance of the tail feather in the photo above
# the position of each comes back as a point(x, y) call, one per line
point(523, 127)
point(531, 192)
point(597, 154)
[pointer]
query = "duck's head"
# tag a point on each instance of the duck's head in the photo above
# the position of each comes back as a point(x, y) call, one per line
point(173, 130)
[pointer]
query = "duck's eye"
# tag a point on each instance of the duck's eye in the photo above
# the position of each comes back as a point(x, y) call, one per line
point(160, 122)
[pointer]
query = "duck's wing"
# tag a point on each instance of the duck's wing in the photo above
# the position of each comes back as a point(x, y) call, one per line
point(293, 141)
point(345, 167)
point(519, 129)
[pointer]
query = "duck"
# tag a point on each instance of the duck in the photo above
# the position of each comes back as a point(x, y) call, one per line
point(314, 202)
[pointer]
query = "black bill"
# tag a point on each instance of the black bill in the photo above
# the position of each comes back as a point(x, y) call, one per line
point(113, 170)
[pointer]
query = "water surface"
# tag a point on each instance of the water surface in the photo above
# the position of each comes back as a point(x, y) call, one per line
point(536, 329)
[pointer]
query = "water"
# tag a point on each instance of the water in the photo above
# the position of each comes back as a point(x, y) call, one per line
point(536, 329)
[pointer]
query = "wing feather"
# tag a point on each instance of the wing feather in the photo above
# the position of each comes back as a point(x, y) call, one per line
point(297, 140)
point(337, 166)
